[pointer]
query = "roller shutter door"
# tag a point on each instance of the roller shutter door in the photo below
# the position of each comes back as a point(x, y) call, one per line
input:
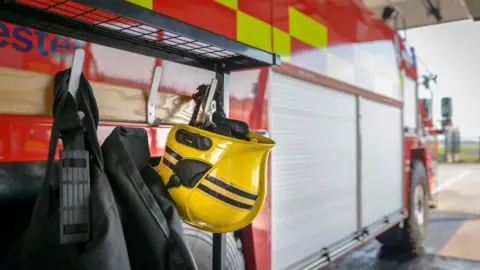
point(314, 167)
point(382, 164)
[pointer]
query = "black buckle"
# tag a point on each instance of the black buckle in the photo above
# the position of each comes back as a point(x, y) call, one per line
point(74, 196)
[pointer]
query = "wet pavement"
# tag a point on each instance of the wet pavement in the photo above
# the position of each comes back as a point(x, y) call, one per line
point(453, 241)
point(373, 257)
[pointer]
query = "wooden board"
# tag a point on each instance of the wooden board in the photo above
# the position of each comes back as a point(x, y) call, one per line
point(31, 93)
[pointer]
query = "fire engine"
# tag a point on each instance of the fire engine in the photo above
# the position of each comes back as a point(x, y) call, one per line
point(350, 162)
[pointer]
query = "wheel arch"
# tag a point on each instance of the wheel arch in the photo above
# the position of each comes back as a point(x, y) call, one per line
point(421, 155)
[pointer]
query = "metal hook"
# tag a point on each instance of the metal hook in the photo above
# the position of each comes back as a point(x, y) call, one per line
point(76, 71)
point(152, 97)
point(208, 105)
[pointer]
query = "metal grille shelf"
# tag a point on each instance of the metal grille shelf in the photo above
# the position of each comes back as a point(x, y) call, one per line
point(123, 25)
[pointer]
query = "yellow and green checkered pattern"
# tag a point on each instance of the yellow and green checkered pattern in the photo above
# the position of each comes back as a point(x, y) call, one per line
point(148, 4)
point(363, 64)
point(262, 35)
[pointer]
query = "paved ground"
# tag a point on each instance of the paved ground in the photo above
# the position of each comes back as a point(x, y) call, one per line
point(453, 242)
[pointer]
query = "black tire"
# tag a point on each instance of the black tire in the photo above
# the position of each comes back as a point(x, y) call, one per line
point(411, 236)
point(201, 245)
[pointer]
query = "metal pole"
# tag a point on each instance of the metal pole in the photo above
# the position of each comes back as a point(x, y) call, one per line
point(219, 240)
point(219, 251)
point(479, 148)
point(458, 149)
point(447, 145)
point(359, 167)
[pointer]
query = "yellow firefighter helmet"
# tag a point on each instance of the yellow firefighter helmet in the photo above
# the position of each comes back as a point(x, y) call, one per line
point(217, 182)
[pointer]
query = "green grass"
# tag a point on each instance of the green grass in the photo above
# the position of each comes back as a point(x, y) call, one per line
point(469, 152)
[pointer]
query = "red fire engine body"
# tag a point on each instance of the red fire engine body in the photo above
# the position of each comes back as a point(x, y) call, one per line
point(342, 107)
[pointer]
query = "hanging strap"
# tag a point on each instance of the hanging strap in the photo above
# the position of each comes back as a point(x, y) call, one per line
point(201, 96)
point(70, 192)
point(198, 97)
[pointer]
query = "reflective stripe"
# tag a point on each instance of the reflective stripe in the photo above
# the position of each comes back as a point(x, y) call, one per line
point(148, 4)
point(227, 193)
point(261, 34)
point(172, 153)
point(254, 32)
point(282, 44)
point(306, 29)
point(168, 164)
point(231, 189)
point(249, 28)
point(223, 198)
point(233, 4)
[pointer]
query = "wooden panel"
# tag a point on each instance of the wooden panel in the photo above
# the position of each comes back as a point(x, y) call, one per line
point(31, 93)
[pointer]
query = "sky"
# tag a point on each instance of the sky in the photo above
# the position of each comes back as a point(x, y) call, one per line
point(452, 51)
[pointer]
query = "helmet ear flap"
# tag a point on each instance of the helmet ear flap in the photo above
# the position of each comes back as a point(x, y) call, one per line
point(229, 127)
point(187, 173)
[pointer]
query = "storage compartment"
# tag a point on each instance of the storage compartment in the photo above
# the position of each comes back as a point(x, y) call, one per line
point(382, 160)
point(410, 104)
point(314, 168)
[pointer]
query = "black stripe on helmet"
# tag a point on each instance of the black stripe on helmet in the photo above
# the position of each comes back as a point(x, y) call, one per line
point(172, 153)
point(230, 188)
point(168, 163)
point(224, 198)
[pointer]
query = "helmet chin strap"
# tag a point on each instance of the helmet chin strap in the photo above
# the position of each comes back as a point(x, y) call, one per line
point(214, 120)
point(207, 97)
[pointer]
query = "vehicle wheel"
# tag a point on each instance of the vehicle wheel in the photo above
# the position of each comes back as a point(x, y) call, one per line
point(411, 236)
point(201, 245)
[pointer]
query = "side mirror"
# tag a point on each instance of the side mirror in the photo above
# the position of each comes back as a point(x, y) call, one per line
point(447, 107)
point(427, 106)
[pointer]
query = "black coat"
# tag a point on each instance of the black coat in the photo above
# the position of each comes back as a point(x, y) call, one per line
point(133, 224)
